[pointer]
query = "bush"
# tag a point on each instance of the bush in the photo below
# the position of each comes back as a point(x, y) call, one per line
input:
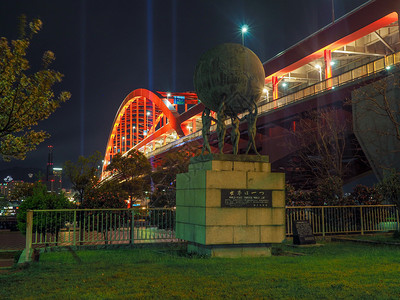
point(389, 188)
point(363, 195)
point(40, 199)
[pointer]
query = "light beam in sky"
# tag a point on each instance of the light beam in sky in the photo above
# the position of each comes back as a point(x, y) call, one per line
point(150, 43)
point(174, 16)
point(82, 75)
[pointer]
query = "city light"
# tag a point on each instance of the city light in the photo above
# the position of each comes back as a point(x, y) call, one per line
point(244, 29)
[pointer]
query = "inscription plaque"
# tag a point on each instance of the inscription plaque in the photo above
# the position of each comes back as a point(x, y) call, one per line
point(302, 233)
point(246, 198)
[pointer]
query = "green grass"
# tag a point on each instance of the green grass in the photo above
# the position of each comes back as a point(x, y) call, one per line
point(385, 237)
point(334, 271)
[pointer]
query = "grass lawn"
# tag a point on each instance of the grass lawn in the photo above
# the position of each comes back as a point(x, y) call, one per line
point(386, 238)
point(334, 271)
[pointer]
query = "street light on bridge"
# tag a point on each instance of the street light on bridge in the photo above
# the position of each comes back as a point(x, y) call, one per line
point(244, 30)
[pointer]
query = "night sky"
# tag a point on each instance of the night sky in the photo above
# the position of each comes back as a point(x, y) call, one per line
point(107, 49)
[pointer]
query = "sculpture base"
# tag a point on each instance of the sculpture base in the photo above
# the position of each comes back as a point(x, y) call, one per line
point(230, 204)
point(231, 251)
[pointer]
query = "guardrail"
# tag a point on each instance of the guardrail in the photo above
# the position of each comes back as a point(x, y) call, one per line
point(344, 219)
point(331, 83)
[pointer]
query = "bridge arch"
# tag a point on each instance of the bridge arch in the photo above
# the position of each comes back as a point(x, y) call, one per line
point(145, 116)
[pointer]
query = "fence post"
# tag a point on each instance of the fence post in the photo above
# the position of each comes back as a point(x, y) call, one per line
point(323, 221)
point(397, 217)
point(74, 227)
point(132, 226)
point(28, 241)
point(362, 221)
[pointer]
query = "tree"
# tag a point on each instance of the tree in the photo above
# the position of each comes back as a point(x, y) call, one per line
point(83, 174)
point(41, 199)
point(164, 178)
point(25, 97)
point(389, 188)
point(132, 172)
point(107, 195)
point(321, 138)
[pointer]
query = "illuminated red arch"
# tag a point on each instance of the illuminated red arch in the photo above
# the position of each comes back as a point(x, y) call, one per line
point(144, 116)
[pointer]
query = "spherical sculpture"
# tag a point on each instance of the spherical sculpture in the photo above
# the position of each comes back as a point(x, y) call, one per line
point(231, 74)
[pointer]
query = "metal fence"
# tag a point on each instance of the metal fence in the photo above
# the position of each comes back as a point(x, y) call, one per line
point(329, 220)
point(74, 227)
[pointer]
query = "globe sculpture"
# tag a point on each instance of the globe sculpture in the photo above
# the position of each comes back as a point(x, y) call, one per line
point(229, 79)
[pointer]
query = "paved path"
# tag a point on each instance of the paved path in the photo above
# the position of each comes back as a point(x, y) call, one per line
point(11, 240)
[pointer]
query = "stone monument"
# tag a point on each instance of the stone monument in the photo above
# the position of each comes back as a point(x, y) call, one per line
point(230, 205)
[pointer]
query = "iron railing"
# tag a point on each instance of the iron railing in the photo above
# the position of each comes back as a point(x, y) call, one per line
point(368, 69)
point(74, 227)
point(331, 220)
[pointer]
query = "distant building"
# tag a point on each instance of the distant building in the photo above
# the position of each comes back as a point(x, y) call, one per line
point(3, 189)
point(56, 180)
point(8, 187)
point(53, 175)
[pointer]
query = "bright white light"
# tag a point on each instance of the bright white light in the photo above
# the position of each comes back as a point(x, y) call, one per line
point(133, 127)
point(265, 90)
point(144, 132)
point(168, 95)
point(333, 63)
point(284, 84)
point(318, 67)
point(148, 113)
point(387, 68)
point(245, 28)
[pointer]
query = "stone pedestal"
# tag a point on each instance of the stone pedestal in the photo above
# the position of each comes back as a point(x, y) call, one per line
point(214, 230)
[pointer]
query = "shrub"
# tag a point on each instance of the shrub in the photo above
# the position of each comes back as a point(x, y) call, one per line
point(389, 188)
point(40, 199)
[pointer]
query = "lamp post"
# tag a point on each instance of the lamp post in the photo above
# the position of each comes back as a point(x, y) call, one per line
point(244, 30)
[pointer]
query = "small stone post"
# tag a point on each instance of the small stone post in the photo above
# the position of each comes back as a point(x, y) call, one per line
point(28, 244)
